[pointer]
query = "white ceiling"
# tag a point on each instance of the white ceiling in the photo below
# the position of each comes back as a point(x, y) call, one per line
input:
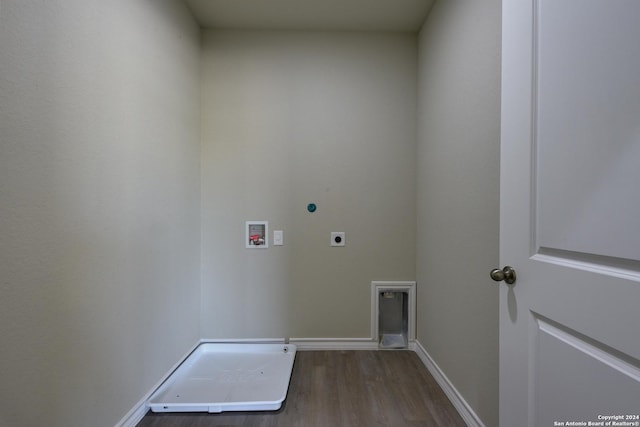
point(321, 15)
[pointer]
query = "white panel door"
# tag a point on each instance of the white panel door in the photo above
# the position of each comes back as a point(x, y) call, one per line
point(570, 213)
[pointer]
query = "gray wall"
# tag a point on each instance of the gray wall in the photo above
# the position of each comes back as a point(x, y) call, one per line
point(99, 205)
point(290, 118)
point(458, 195)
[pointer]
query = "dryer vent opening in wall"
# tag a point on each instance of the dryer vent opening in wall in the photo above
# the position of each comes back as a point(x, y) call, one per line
point(393, 319)
point(393, 314)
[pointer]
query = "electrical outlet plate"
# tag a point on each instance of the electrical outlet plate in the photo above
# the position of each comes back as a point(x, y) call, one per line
point(278, 238)
point(338, 238)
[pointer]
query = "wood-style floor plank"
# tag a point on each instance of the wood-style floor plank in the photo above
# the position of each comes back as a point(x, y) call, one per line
point(343, 388)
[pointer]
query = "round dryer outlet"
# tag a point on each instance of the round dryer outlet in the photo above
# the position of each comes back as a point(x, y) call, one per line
point(338, 238)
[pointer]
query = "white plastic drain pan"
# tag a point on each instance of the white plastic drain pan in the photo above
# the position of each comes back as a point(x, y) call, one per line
point(220, 377)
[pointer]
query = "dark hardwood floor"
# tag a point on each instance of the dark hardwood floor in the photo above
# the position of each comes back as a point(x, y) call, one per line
point(343, 388)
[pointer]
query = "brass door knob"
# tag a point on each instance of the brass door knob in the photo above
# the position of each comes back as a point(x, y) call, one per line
point(508, 274)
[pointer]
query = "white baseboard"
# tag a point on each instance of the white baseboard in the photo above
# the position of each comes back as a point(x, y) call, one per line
point(463, 408)
point(334, 343)
point(135, 415)
point(242, 340)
